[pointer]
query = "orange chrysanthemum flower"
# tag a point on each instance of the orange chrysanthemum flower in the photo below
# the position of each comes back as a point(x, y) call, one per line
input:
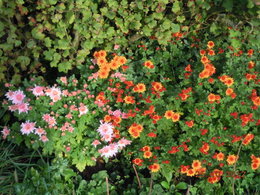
point(134, 133)
point(216, 173)
point(210, 44)
point(96, 54)
point(107, 118)
point(229, 91)
point(184, 169)
point(148, 64)
point(211, 97)
point(129, 100)
point(117, 120)
point(168, 114)
point(255, 162)
point(175, 117)
point(204, 60)
point(211, 52)
point(196, 164)
point(231, 159)
point(114, 65)
point(101, 61)
point(249, 137)
point(157, 86)
point(139, 88)
point(103, 74)
point(191, 172)
point(148, 154)
point(229, 81)
point(220, 156)
point(138, 161)
point(256, 100)
point(121, 60)
point(154, 167)
point(146, 148)
point(251, 64)
point(202, 52)
point(102, 53)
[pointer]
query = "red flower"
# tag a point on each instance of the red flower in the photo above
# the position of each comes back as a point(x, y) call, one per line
point(152, 134)
point(189, 123)
point(204, 131)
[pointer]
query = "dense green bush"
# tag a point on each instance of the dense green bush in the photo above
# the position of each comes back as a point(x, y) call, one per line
point(35, 36)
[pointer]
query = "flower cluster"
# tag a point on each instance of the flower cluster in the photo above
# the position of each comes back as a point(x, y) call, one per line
point(18, 100)
point(135, 130)
point(104, 66)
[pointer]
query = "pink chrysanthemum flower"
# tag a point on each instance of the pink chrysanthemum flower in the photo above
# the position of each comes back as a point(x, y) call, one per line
point(109, 151)
point(105, 128)
point(40, 131)
point(46, 117)
point(9, 95)
point(52, 122)
point(123, 142)
point(27, 127)
point(65, 92)
point(117, 113)
point(38, 91)
point(69, 116)
point(23, 107)
point(83, 109)
point(64, 80)
point(17, 97)
point(95, 143)
point(13, 108)
point(5, 132)
point(54, 93)
point(44, 138)
point(107, 137)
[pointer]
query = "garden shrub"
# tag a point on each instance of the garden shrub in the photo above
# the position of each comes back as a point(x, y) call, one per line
point(176, 114)
point(36, 36)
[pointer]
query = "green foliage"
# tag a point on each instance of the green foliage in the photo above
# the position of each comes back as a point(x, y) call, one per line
point(56, 178)
point(14, 164)
point(60, 34)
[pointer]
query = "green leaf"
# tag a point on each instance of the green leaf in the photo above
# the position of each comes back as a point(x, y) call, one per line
point(181, 186)
point(181, 19)
point(63, 44)
point(70, 17)
point(147, 31)
point(81, 164)
point(68, 173)
point(167, 173)
point(166, 24)
point(175, 28)
point(165, 184)
point(250, 4)
point(176, 7)
point(37, 33)
point(23, 60)
point(64, 66)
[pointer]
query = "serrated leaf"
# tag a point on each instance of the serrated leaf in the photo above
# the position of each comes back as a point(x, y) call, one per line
point(175, 28)
point(176, 7)
point(64, 66)
point(181, 19)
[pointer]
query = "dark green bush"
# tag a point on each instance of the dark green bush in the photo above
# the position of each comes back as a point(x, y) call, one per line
point(35, 36)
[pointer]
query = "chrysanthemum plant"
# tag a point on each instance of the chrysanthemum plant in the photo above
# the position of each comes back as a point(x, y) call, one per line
point(194, 117)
